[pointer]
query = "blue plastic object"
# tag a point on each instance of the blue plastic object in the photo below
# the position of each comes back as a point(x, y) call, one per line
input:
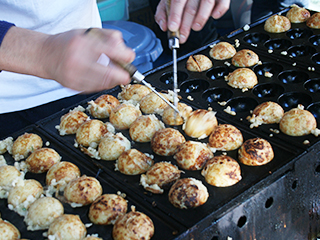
point(141, 39)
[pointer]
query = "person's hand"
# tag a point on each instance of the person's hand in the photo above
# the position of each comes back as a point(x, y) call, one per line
point(72, 59)
point(69, 58)
point(189, 14)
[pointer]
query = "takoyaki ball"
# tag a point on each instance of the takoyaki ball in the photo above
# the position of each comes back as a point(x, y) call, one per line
point(124, 115)
point(25, 144)
point(266, 113)
point(225, 137)
point(8, 175)
point(277, 24)
point(133, 226)
point(60, 174)
point(91, 132)
point(143, 129)
point(133, 92)
point(102, 106)
point(222, 171)
point(42, 212)
point(298, 14)
point(71, 121)
point(200, 123)
point(187, 193)
point(152, 103)
point(133, 162)
point(41, 160)
point(243, 78)
point(166, 141)
point(106, 209)
point(314, 21)
point(23, 194)
point(198, 63)
point(8, 231)
point(170, 117)
point(6, 145)
point(245, 58)
point(255, 152)
point(112, 145)
point(159, 177)
point(222, 51)
point(82, 191)
point(192, 155)
point(67, 227)
point(297, 122)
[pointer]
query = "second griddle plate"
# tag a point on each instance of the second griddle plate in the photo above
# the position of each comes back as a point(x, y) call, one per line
point(164, 227)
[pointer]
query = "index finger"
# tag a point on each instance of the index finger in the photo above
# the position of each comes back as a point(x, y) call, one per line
point(220, 8)
point(176, 9)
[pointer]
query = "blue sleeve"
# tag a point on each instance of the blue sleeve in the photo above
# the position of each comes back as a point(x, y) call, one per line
point(4, 27)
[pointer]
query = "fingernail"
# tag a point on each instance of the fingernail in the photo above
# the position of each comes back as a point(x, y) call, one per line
point(161, 24)
point(197, 26)
point(173, 26)
point(182, 38)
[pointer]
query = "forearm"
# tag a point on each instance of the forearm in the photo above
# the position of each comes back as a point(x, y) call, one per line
point(21, 51)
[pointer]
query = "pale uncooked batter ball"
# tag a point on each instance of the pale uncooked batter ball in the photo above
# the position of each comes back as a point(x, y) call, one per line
point(41, 160)
point(200, 123)
point(23, 195)
point(106, 209)
point(71, 121)
point(245, 58)
point(277, 24)
point(112, 146)
point(166, 141)
point(188, 193)
point(60, 174)
point(133, 162)
point(192, 155)
point(102, 106)
point(222, 171)
point(143, 129)
point(225, 137)
point(159, 177)
point(91, 132)
point(82, 191)
point(222, 51)
point(198, 63)
point(152, 103)
point(25, 144)
point(124, 115)
point(133, 225)
point(8, 175)
point(133, 92)
point(67, 227)
point(8, 231)
point(42, 213)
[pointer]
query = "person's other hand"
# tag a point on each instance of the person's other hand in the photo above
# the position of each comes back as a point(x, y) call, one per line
point(189, 14)
point(70, 58)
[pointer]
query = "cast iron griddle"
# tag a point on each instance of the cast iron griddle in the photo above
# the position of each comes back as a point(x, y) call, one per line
point(290, 85)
